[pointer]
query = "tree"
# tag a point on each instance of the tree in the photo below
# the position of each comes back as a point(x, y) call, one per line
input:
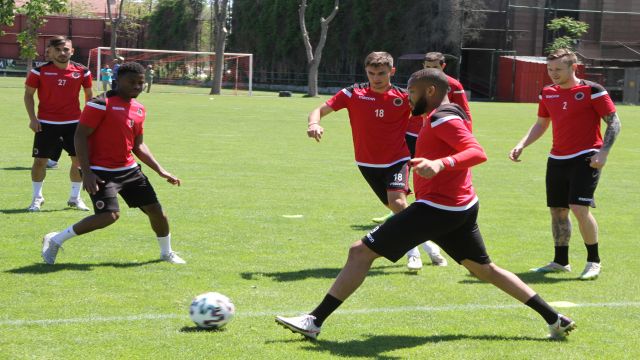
point(115, 24)
point(7, 8)
point(314, 57)
point(173, 25)
point(219, 9)
point(567, 31)
point(35, 12)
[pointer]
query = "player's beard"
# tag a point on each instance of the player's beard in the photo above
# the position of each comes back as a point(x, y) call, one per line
point(420, 107)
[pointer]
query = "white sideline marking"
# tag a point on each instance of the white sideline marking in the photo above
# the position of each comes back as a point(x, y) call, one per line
point(467, 307)
point(297, 216)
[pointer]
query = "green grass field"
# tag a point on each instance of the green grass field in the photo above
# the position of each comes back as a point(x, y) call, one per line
point(245, 162)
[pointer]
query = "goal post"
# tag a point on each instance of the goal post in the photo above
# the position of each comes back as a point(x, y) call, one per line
point(182, 68)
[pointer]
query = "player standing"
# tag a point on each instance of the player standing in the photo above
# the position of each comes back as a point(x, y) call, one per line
point(378, 113)
point(446, 210)
point(58, 84)
point(110, 130)
point(574, 107)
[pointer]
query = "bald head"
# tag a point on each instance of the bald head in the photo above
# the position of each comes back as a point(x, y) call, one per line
point(428, 89)
point(430, 77)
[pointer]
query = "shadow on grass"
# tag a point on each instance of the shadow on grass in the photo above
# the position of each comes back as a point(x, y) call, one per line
point(24, 210)
point(46, 268)
point(195, 329)
point(364, 227)
point(527, 277)
point(373, 346)
point(16, 168)
point(321, 273)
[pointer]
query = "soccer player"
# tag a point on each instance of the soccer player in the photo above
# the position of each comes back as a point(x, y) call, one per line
point(148, 77)
point(105, 77)
point(446, 210)
point(574, 107)
point(110, 130)
point(378, 113)
point(58, 84)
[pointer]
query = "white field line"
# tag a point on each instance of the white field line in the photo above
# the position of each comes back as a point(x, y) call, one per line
point(468, 307)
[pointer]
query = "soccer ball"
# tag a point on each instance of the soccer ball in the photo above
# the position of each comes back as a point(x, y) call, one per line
point(211, 310)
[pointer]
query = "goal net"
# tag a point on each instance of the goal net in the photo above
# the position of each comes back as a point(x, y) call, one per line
point(182, 71)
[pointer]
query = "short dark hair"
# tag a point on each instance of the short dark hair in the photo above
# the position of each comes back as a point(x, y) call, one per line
point(58, 40)
point(379, 58)
point(130, 67)
point(568, 57)
point(433, 77)
point(434, 56)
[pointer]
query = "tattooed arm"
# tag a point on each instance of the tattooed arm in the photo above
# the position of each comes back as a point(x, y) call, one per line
point(613, 129)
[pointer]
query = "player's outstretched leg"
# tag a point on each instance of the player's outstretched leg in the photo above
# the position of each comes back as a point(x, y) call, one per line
point(350, 278)
point(558, 324)
point(160, 225)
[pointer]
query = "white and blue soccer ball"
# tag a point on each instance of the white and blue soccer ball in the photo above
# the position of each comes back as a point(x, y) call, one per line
point(211, 310)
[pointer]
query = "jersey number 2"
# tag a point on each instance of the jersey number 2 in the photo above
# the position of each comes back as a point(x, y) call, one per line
point(564, 105)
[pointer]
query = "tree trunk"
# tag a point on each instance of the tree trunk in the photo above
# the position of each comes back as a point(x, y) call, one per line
point(220, 9)
point(115, 23)
point(313, 57)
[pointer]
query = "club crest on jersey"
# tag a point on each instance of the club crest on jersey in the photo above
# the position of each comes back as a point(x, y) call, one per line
point(139, 112)
point(398, 102)
point(579, 95)
point(75, 75)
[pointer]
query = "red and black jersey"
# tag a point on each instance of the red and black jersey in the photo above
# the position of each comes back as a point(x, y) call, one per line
point(58, 91)
point(116, 125)
point(575, 117)
point(456, 95)
point(447, 136)
point(378, 123)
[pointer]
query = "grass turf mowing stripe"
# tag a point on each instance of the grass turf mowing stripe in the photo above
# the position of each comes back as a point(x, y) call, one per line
point(468, 307)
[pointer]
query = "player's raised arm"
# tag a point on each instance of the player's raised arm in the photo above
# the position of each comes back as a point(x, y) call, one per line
point(142, 152)
point(314, 130)
point(535, 132)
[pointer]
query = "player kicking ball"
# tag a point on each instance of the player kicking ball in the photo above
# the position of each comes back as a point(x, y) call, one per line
point(445, 211)
point(109, 133)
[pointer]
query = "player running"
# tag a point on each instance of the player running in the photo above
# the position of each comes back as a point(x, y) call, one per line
point(58, 84)
point(574, 107)
point(378, 113)
point(109, 133)
point(446, 210)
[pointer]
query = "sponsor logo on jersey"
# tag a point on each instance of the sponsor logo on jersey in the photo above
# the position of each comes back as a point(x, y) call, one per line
point(118, 108)
point(398, 102)
point(551, 96)
point(50, 73)
point(100, 204)
point(579, 95)
point(362, 97)
point(131, 122)
point(75, 75)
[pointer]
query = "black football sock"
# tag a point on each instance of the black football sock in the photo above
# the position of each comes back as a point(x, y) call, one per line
point(592, 253)
point(549, 314)
point(328, 305)
point(562, 255)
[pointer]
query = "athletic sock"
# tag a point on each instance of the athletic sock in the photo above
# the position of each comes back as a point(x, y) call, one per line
point(328, 305)
point(65, 235)
point(75, 190)
point(165, 244)
point(592, 253)
point(413, 252)
point(562, 255)
point(431, 248)
point(549, 314)
point(37, 189)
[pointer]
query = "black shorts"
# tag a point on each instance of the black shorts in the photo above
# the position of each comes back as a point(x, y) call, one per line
point(46, 143)
point(392, 178)
point(456, 232)
point(411, 143)
point(132, 185)
point(571, 181)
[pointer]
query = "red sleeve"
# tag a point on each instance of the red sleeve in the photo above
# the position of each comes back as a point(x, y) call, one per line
point(87, 81)
point(458, 96)
point(340, 100)
point(93, 114)
point(33, 80)
point(543, 112)
point(457, 135)
point(603, 104)
point(139, 127)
